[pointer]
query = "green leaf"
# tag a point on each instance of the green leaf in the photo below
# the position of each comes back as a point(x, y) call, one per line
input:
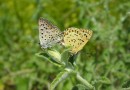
point(65, 55)
point(85, 82)
point(105, 80)
point(45, 56)
point(73, 58)
point(22, 83)
point(42, 55)
point(126, 84)
point(70, 66)
point(55, 55)
point(79, 87)
point(59, 78)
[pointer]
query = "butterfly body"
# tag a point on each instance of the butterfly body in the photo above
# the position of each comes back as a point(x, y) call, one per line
point(49, 34)
point(76, 38)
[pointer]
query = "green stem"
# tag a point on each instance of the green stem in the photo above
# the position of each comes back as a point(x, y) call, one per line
point(60, 77)
point(85, 82)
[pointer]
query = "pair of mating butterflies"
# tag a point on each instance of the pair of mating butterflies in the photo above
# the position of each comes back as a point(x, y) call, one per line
point(50, 35)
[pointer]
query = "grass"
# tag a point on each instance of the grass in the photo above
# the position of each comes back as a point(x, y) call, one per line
point(104, 61)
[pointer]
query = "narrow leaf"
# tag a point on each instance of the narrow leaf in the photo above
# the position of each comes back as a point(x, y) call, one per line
point(45, 56)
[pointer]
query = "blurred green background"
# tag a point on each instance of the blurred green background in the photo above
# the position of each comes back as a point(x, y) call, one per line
point(107, 54)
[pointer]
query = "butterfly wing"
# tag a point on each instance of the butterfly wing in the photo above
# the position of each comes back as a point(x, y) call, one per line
point(76, 38)
point(48, 33)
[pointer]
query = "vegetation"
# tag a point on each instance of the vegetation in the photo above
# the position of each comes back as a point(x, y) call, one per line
point(104, 61)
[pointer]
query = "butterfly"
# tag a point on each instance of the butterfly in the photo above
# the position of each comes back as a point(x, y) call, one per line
point(76, 38)
point(49, 34)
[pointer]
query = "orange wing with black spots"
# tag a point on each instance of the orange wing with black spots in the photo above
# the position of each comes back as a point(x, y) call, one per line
point(76, 38)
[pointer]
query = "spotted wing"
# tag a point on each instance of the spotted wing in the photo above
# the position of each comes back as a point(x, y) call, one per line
point(48, 33)
point(76, 38)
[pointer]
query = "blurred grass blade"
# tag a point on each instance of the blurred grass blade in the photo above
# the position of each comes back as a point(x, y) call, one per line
point(105, 80)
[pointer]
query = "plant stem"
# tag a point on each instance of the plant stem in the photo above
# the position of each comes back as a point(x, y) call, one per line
point(85, 82)
point(60, 77)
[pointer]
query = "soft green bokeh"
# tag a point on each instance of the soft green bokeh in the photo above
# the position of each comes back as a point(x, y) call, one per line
point(107, 54)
